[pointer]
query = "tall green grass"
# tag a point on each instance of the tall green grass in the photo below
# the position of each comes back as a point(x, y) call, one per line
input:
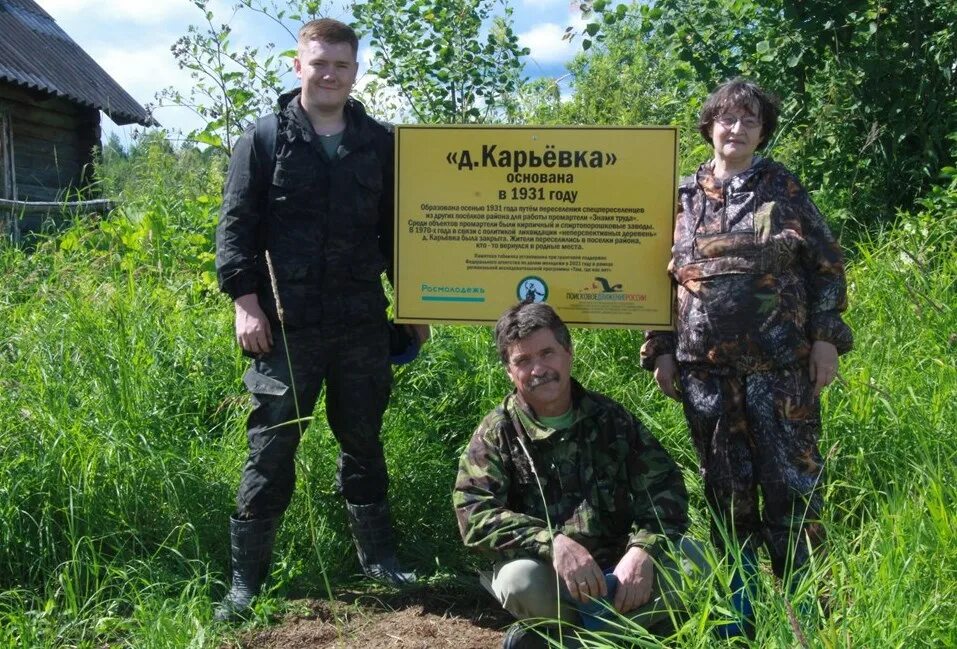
point(122, 437)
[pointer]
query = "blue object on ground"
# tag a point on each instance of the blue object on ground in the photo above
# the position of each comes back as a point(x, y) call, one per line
point(742, 586)
point(599, 610)
point(403, 345)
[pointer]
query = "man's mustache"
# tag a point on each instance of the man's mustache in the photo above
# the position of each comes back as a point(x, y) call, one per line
point(542, 380)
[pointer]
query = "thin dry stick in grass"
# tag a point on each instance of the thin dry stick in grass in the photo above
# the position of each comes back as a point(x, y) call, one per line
point(282, 328)
point(295, 400)
point(548, 521)
point(796, 626)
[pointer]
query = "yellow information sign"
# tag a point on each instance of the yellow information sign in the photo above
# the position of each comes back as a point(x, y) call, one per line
point(579, 217)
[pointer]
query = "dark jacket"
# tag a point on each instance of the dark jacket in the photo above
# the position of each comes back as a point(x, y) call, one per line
point(327, 224)
point(759, 274)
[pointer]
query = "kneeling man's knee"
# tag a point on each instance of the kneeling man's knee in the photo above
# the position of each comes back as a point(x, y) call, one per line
point(526, 588)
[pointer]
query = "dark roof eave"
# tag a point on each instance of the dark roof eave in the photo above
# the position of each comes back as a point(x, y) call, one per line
point(36, 53)
point(123, 119)
point(120, 118)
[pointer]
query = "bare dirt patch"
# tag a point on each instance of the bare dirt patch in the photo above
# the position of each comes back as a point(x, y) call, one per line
point(422, 618)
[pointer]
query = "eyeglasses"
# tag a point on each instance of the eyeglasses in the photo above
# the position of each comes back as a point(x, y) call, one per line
point(728, 120)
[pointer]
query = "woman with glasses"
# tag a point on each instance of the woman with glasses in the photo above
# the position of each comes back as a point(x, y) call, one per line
point(760, 292)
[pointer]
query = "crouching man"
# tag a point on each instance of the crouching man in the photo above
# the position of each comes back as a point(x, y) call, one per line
point(568, 493)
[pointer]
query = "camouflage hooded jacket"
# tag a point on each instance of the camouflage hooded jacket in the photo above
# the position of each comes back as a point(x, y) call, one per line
point(608, 483)
point(759, 274)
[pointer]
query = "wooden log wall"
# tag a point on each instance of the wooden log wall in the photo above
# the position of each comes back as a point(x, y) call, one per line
point(52, 142)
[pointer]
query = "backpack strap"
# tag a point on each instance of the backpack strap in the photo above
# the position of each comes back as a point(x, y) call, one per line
point(264, 143)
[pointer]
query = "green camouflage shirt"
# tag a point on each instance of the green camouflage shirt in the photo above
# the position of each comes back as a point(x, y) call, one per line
point(608, 483)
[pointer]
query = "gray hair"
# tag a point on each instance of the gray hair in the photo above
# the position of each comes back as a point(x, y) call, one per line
point(524, 319)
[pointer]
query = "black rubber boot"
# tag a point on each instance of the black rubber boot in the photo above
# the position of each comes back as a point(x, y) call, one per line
point(251, 543)
point(372, 532)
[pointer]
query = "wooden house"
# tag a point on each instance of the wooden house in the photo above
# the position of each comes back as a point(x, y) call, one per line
point(51, 95)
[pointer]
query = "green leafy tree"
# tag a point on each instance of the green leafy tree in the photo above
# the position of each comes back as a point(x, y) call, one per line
point(456, 61)
point(868, 88)
point(233, 84)
point(623, 79)
point(450, 61)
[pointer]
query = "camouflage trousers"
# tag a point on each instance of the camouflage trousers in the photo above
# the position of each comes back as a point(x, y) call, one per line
point(353, 364)
point(759, 431)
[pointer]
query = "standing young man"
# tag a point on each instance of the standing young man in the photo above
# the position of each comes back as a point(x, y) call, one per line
point(320, 203)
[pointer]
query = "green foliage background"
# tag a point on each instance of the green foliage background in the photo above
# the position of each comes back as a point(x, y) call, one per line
point(868, 87)
point(121, 433)
point(122, 409)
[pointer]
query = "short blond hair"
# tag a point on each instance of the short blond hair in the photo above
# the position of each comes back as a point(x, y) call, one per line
point(329, 30)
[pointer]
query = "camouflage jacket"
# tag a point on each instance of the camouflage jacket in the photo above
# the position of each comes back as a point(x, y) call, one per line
point(759, 274)
point(608, 483)
point(327, 223)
